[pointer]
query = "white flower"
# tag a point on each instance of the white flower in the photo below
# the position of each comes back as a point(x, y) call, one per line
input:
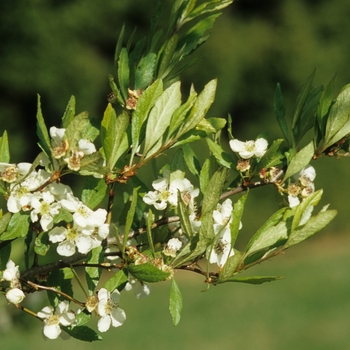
point(44, 204)
point(249, 149)
point(293, 201)
point(15, 295)
point(86, 146)
point(221, 250)
point(12, 271)
point(167, 192)
point(53, 320)
point(12, 172)
point(73, 238)
point(111, 314)
point(141, 289)
point(173, 245)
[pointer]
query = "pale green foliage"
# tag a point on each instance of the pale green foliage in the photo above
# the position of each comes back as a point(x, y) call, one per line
point(148, 115)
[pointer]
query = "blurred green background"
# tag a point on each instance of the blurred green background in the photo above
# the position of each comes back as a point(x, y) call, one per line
point(59, 48)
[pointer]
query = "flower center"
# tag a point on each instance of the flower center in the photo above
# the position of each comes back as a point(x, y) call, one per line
point(72, 234)
point(220, 246)
point(52, 320)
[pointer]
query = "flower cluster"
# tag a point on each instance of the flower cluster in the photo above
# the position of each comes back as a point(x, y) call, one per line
point(221, 249)
point(303, 188)
point(11, 274)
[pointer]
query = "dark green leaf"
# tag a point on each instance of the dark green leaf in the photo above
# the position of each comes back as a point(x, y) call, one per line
point(221, 157)
point(280, 112)
point(145, 71)
point(167, 53)
point(4, 221)
point(123, 72)
point(229, 268)
point(69, 112)
point(272, 156)
point(41, 130)
point(42, 244)
point(94, 191)
point(255, 279)
point(83, 333)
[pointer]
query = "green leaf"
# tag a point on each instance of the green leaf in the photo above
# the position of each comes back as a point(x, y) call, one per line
point(255, 279)
point(83, 333)
point(183, 211)
point(112, 131)
point(208, 7)
point(204, 175)
point(123, 73)
point(144, 105)
point(313, 200)
point(74, 131)
point(149, 231)
point(115, 90)
point(118, 281)
point(18, 226)
point(200, 108)
point(213, 191)
point(300, 160)
point(221, 157)
point(93, 274)
point(191, 160)
point(94, 191)
point(42, 244)
point(4, 221)
point(145, 71)
point(268, 238)
point(175, 302)
point(178, 162)
point(272, 156)
point(92, 164)
point(237, 214)
point(313, 225)
point(228, 270)
point(280, 112)
point(4, 148)
point(41, 130)
point(338, 122)
point(69, 112)
point(160, 116)
point(130, 216)
point(82, 318)
point(147, 273)
point(167, 53)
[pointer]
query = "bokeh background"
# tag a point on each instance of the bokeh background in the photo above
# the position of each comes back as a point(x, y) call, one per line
point(60, 48)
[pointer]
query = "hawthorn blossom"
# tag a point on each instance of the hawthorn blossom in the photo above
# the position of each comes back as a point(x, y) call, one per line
point(221, 249)
point(11, 274)
point(111, 314)
point(44, 204)
point(173, 245)
point(13, 172)
point(54, 318)
point(250, 148)
point(166, 192)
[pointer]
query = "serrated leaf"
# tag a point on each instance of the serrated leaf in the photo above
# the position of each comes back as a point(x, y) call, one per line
point(229, 267)
point(160, 116)
point(123, 72)
point(200, 107)
point(18, 226)
point(69, 112)
point(4, 148)
point(112, 131)
point(92, 164)
point(175, 302)
point(118, 281)
point(280, 112)
point(83, 333)
point(204, 175)
point(221, 157)
point(255, 279)
point(338, 122)
point(184, 216)
point(42, 244)
point(191, 160)
point(313, 225)
point(147, 273)
point(145, 71)
point(41, 130)
point(74, 131)
point(300, 160)
point(213, 190)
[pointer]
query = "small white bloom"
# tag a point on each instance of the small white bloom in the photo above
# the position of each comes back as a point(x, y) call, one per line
point(293, 201)
point(111, 314)
point(141, 289)
point(53, 320)
point(221, 250)
point(44, 204)
point(173, 245)
point(15, 296)
point(11, 272)
point(86, 146)
point(307, 175)
point(250, 148)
